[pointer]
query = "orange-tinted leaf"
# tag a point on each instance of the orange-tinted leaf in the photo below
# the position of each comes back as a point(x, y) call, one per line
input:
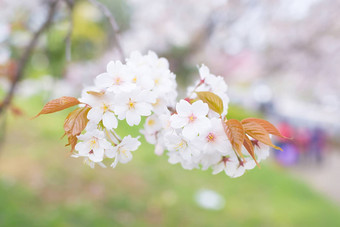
point(72, 141)
point(76, 121)
point(58, 104)
point(269, 127)
point(250, 148)
point(214, 102)
point(235, 133)
point(257, 132)
point(95, 93)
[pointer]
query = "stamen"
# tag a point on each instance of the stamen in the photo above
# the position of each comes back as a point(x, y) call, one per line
point(211, 137)
point(192, 118)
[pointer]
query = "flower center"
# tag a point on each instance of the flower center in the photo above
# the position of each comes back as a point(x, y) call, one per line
point(93, 143)
point(211, 137)
point(151, 122)
point(192, 118)
point(156, 81)
point(131, 104)
point(105, 108)
point(134, 80)
point(181, 145)
point(118, 81)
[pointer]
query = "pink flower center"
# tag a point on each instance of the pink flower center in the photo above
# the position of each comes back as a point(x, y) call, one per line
point(211, 137)
point(118, 81)
point(192, 118)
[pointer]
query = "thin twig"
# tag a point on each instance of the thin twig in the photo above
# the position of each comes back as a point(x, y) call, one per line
point(27, 54)
point(113, 23)
point(70, 5)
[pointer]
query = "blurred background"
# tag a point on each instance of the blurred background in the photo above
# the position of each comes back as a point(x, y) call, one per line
point(281, 62)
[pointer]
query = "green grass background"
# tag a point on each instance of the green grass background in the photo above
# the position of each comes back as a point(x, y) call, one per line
point(40, 185)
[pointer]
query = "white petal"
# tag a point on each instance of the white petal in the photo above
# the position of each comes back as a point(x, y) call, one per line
point(239, 172)
point(186, 155)
point(97, 155)
point(204, 71)
point(183, 108)
point(111, 153)
point(200, 108)
point(230, 169)
point(114, 164)
point(202, 124)
point(218, 168)
point(109, 120)
point(143, 109)
point(130, 143)
point(190, 131)
point(177, 121)
point(250, 164)
point(103, 80)
point(103, 143)
point(95, 115)
point(125, 157)
point(132, 118)
point(82, 148)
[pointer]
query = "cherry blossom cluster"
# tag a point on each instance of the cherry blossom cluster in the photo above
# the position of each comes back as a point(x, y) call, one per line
point(194, 135)
point(190, 131)
point(141, 87)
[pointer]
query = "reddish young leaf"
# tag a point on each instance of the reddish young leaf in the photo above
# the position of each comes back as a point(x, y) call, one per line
point(58, 104)
point(72, 141)
point(214, 102)
point(235, 133)
point(250, 148)
point(257, 132)
point(269, 127)
point(76, 121)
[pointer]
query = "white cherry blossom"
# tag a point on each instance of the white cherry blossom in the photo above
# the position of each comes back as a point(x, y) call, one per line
point(93, 145)
point(182, 146)
point(192, 117)
point(116, 79)
point(233, 166)
point(132, 105)
point(102, 109)
point(122, 151)
point(214, 139)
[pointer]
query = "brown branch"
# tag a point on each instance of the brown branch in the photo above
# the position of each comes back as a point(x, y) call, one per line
point(70, 5)
point(113, 23)
point(27, 54)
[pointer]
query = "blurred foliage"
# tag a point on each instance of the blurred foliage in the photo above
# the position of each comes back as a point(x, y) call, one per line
point(239, 113)
point(91, 35)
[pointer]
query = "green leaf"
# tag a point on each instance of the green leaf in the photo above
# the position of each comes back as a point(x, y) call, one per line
point(214, 102)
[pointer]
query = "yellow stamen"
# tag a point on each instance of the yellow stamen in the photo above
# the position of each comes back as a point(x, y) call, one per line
point(151, 122)
point(131, 104)
point(93, 143)
point(117, 81)
point(192, 118)
point(105, 108)
point(211, 137)
point(181, 145)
